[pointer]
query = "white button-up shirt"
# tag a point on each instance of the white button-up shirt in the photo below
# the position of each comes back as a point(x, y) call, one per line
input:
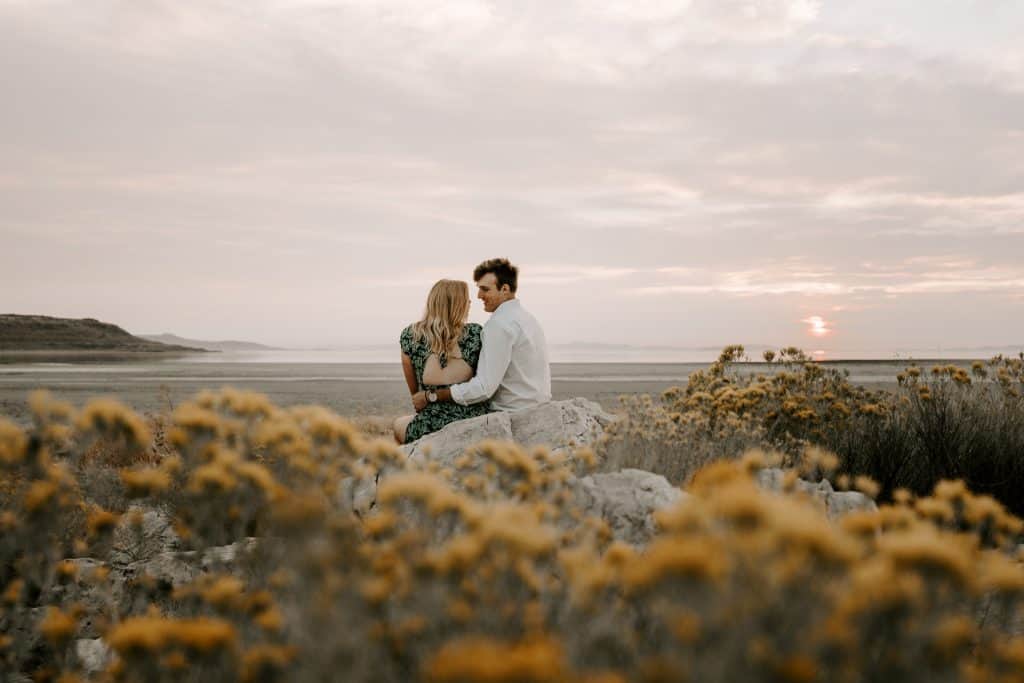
point(513, 370)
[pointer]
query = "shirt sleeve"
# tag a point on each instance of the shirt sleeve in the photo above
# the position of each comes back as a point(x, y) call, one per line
point(495, 355)
point(405, 341)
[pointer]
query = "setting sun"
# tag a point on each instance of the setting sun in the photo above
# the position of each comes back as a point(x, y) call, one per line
point(817, 325)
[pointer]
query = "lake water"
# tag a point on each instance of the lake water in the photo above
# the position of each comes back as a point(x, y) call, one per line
point(371, 386)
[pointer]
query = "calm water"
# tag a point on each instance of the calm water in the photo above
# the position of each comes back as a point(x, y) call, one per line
point(352, 388)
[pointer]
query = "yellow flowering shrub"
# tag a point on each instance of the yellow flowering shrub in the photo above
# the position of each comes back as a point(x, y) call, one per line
point(489, 570)
point(945, 422)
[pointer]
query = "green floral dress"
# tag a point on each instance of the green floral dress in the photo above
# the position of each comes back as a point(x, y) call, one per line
point(436, 415)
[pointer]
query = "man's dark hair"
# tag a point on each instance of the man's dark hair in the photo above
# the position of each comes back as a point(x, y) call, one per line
point(504, 272)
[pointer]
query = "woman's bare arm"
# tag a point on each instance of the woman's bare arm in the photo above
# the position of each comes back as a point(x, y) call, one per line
point(410, 374)
point(456, 371)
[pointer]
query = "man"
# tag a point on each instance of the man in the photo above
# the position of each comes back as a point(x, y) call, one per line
point(513, 371)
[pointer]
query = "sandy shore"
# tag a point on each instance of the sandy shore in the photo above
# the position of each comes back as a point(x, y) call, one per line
point(356, 390)
point(346, 397)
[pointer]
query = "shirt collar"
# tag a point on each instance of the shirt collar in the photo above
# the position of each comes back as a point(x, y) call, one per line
point(507, 306)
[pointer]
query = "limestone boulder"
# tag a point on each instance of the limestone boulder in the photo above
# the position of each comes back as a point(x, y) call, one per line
point(151, 581)
point(134, 585)
point(773, 479)
point(358, 494)
point(84, 587)
point(228, 556)
point(143, 533)
point(93, 655)
point(836, 503)
point(557, 425)
point(626, 500)
point(449, 443)
point(839, 503)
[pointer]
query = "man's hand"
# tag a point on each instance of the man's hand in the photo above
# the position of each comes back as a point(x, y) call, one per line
point(419, 400)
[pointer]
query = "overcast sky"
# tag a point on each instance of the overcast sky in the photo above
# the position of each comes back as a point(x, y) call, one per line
point(701, 172)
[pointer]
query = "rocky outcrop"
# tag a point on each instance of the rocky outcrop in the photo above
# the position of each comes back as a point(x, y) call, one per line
point(104, 589)
point(558, 425)
point(837, 503)
point(626, 500)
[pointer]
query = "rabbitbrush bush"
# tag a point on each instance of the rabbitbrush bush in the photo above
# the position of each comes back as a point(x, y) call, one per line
point(946, 422)
point(484, 572)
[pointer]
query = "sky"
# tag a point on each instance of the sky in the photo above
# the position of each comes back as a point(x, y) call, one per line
point(826, 174)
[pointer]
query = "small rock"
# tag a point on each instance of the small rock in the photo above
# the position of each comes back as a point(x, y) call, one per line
point(137, 542)
point(84, 591)
point(93, 654)
point(837, 503)
point(626, 500)
point(226, 555)
point(152, 580)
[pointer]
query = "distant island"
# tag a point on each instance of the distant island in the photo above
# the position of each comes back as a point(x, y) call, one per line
point(225, 345)
point(42, 333)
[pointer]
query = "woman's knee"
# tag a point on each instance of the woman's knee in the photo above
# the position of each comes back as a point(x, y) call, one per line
point(400, 425)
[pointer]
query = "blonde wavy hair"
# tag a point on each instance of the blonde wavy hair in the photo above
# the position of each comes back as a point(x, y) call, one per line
point(446, 314)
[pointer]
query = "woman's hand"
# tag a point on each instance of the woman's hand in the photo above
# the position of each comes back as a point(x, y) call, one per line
point(419, 400)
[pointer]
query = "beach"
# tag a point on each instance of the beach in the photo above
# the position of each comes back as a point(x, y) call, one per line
point(352, 389)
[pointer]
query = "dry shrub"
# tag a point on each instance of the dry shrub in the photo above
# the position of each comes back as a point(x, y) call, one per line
point(948, 422)
point(652, 436)
point(374, 426)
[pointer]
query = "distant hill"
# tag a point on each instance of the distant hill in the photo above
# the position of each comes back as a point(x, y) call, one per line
point(226, 345)
point(44, 333)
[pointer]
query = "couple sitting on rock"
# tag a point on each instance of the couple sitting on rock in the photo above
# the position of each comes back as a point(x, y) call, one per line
point(457, 370)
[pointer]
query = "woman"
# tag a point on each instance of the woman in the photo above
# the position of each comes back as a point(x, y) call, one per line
point(440, 350)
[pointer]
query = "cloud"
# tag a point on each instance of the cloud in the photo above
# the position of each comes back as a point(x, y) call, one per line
point(559, 274)
point(915, 275)
point(652, 147)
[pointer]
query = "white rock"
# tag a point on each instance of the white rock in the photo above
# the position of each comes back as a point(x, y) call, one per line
point(626, 500)
point(773, 479)
point(837, 503)
point(93, 654)
point(449, 443)
point(557, 425)
point(169, 569)
point(81, 590)
point(358, 494)
point(576, 422)
point(225, 555)
point(139, 542)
